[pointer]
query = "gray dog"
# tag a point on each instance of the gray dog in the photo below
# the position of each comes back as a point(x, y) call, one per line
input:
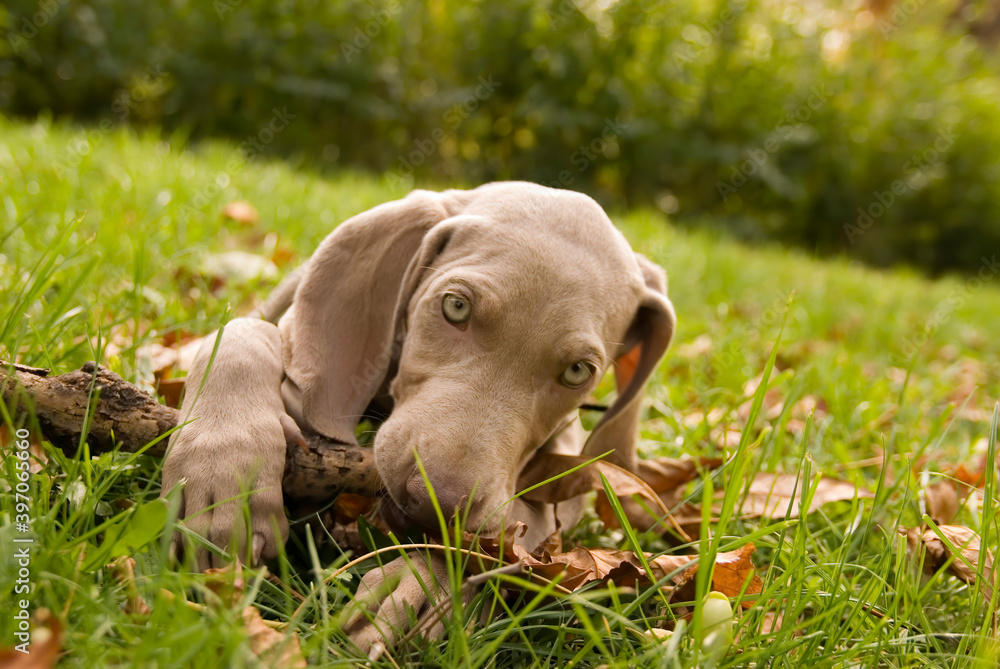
point(483, 318)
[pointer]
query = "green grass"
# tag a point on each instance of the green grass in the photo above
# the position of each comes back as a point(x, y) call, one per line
point(114, 247)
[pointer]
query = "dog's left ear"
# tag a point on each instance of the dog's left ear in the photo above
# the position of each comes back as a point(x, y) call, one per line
point(647, 340)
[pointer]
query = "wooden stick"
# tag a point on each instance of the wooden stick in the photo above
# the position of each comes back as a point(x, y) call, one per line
point(126, 415)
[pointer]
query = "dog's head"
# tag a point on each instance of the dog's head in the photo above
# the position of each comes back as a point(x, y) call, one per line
point(492, 314)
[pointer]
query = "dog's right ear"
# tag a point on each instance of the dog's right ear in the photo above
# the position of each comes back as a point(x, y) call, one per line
point(340, 331)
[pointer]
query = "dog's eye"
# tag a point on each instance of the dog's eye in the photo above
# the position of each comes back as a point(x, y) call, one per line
point(456, 308)
point(576, 375)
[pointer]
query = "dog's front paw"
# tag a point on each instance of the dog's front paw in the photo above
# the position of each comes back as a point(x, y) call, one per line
point(222, 471)
point(392, 600)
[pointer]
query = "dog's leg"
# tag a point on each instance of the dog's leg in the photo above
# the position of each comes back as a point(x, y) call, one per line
point(231, 445)
point(411, 591)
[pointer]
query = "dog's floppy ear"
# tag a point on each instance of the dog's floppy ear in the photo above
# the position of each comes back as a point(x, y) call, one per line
point(647, 340)
point(340, 331)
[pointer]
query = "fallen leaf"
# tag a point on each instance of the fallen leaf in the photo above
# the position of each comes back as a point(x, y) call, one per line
point(274, 648)
point(174, 357)
point(348, 507)
point(732, 570)
point(238, 267)
point(241, 212)
point(965, 380)
point(968, 544)
point(43, 648)
point(974, 478)
point(941, 501)
point(726, 439)
point(772, 621)
point(545, 466)
point(581, 566)
point(123, 571)
point(701, 346)
point(171, 391)
point(227, 584)
point(772, 405)
point(809, 406)
point(667, 477)
point(658, 482)
point(668, 474)
point(776, 495)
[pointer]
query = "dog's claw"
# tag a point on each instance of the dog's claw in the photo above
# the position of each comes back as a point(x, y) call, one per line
point(256, 548)
point(174, 551)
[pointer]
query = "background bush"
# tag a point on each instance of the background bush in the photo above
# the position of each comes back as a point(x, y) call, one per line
point(838, 126)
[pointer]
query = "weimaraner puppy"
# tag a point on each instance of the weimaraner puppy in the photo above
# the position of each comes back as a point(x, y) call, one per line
point(483, 319)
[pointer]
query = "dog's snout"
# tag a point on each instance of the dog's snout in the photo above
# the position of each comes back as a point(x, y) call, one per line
point(419, 506)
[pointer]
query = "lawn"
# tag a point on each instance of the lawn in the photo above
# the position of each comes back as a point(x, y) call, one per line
point(887, 380)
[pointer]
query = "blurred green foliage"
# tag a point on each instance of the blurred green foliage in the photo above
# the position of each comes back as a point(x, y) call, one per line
point(824, 124)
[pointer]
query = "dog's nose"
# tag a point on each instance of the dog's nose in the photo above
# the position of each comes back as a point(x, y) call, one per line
point(420, 507)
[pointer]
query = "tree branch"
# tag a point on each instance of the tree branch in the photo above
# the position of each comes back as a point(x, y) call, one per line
point(124, 414)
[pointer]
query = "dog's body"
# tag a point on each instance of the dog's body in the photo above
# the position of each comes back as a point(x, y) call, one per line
point(483, 318)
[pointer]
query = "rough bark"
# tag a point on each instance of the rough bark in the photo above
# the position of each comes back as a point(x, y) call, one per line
point(125, 415)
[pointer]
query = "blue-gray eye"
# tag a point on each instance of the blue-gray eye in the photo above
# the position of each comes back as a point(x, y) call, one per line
point(456, 308)
point(576, 375)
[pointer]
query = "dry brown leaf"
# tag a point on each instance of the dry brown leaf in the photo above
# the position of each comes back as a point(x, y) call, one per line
point(773, 404)
point(695, 418)
point(972, 478)
point(226, 583)
point(622, 481)
point(773, 621)
point(941, 501)
point(172, 357)
point(241, 212)
point(968, 543)
point(551, 544)
point(283, 256)
point(970, 375)
point(349, 507)
point(171, 391)
point(727, 438)
point(809, 405)
point(667, 477)
point(238, 267)
point(274, 648)
point(581, 566)
point(701, 346)
point(732, 570)
point(660, 483)
point(123, 571)
point(43, 648)
point(775, 495)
